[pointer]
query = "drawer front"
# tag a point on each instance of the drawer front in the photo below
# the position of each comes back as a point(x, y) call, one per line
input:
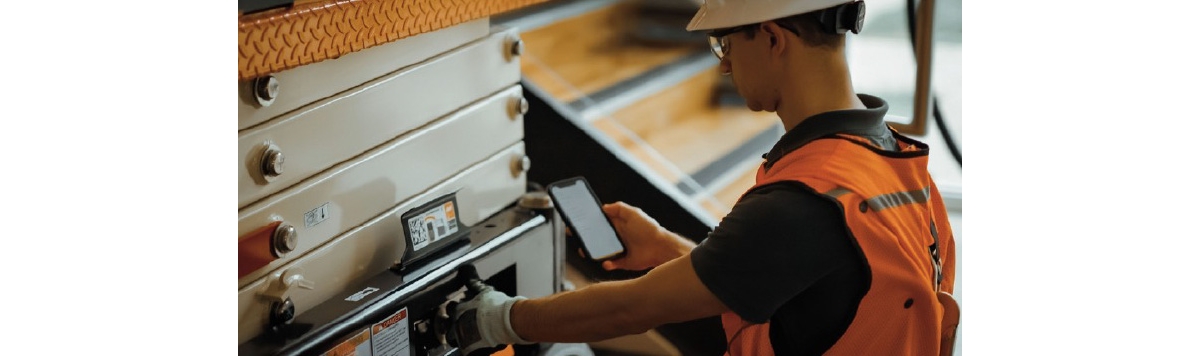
point(352, 192)
point(308, 83)
point(329, 131)
point(352, 257)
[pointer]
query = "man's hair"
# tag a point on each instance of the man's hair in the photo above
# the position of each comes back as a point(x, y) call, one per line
point(808, 27)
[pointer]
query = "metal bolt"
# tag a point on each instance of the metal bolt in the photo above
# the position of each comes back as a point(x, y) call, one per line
point(518, 106)
point(272, 162)
point(284, 240)
point(536, 201)
point(524, 164)
point(283, 312)
point(521, 165)
point(265, 90)
point(521, 106)
point(517, 47)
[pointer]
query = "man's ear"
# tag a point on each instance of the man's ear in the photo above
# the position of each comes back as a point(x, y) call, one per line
point(775, 37)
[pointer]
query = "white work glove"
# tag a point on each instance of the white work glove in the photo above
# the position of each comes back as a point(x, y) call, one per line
point(483, 323)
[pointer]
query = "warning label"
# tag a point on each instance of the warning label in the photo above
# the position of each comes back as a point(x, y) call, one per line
point(390, 337)
point(359, 345)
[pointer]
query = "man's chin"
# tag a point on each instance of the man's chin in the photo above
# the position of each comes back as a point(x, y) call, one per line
point(756, 108)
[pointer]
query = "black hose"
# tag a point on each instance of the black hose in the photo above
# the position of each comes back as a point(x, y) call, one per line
point(937, 112)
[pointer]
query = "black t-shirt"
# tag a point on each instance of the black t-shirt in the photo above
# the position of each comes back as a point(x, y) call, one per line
point(784, 253)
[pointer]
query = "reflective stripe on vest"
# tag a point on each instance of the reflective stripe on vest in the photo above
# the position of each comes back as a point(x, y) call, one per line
point(884, 201)
point(880, 202)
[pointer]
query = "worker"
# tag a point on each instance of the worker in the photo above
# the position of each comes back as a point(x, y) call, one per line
point(842, 246)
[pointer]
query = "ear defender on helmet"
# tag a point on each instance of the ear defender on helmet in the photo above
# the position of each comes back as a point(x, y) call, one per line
point(844, 17)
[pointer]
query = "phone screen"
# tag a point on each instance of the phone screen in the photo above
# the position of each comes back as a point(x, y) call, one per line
point(580, 208)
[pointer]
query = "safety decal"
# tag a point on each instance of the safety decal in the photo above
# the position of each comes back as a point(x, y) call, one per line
point(390, 337)
point(316, 216)
point(358, 345)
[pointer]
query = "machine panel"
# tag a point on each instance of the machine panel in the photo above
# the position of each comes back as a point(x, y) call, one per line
point(332, 130)
point(511, 241)
point(349, 258)
point(352, 192)
point(309, 83)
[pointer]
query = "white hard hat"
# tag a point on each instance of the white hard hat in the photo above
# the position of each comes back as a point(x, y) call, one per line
point(729, 13)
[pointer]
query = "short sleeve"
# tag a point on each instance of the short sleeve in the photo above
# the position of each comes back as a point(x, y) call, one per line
point(776, 242)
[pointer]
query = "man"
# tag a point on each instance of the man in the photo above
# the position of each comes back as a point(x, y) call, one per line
point(841, 247)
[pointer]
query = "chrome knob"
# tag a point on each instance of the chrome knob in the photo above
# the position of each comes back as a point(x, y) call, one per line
point(272, 162)
point(521, 165)
point(266, 89)
point(520, 106)
point(284, 240)
point(517, 47)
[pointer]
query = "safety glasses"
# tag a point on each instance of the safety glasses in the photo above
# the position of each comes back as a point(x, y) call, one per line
point(718, 40)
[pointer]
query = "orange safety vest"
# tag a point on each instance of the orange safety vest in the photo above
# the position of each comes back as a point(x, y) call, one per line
point(896, 216)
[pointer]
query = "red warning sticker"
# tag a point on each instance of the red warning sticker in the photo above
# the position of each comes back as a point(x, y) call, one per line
point(390, 336)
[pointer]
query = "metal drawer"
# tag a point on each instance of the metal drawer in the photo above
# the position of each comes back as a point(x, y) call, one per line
point(350, 258)
point(354, 191)
point(312, 82)
point(332, 130)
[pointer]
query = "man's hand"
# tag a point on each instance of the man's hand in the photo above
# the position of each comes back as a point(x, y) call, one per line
point(482, 324)
point(647, 244)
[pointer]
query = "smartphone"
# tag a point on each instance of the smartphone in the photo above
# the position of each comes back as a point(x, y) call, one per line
point(580, 209)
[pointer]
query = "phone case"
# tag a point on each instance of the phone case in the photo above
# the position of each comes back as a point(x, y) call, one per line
point(558, 206)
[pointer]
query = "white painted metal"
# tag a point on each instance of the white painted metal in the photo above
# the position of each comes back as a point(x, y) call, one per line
point(332, 130)
point(535, 260)
point(308, 83)
point(355, 191)
point(354, 256)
